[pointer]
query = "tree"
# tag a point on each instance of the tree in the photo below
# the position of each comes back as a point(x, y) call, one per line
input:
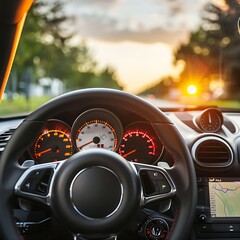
point(45, 50)
point(108, 79)
point(35, 42)
point(213, 51)
point(161, 89)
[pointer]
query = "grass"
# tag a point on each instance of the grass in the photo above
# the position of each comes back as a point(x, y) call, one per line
point(214, 103)
point(20, 105)
point(227, 103)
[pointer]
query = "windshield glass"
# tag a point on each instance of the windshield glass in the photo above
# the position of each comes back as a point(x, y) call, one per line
point(174, 53)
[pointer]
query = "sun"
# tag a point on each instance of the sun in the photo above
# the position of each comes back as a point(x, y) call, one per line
point(192, 89)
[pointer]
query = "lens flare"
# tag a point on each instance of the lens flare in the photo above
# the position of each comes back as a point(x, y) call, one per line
point(192, 89)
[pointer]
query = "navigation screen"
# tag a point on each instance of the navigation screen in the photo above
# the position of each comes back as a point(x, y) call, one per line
point(224, 197)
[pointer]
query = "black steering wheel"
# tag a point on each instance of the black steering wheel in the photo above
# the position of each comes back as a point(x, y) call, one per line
point(95, 193)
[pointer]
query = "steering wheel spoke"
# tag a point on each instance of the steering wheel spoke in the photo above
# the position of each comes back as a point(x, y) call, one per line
point(156, 183)
point(35, 183)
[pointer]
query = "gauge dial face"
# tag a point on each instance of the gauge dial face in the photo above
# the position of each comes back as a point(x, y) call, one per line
point(96, 134)
point(211, 120)
point(139, 144)
point(52, 145)
point(97, 128)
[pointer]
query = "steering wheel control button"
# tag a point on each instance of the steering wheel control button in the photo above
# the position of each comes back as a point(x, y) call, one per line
point(23, 227)
point(37, 182)
point(164, 187)
point(96, 192)
point(32, 227)
point(156, 228)
point(154, 182)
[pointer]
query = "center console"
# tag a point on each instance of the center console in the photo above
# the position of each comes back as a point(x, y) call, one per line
point(218, 208)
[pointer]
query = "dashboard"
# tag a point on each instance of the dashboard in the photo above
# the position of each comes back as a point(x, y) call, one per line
point(96, 128)
point(212, 136)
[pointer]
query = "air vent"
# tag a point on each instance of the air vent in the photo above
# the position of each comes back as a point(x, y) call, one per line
point(4, 138)
point(212, 152)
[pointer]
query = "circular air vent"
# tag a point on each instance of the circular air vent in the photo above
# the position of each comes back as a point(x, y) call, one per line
point(212, 152)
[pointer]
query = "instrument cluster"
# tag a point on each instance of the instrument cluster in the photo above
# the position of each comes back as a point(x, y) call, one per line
point(97, 128)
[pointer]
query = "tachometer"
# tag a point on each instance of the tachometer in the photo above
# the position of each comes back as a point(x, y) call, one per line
point(97, 128)
point(140, 144)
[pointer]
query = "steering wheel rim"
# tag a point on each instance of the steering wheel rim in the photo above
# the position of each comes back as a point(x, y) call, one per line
point(182, 173)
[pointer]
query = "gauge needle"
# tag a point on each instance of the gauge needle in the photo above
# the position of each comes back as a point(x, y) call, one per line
point(209, 118)
point(127, 154)
point(42, 152)
point(80, 147)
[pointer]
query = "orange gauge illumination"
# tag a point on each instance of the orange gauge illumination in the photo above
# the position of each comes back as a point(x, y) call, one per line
point(138, 146)
point(52, 145)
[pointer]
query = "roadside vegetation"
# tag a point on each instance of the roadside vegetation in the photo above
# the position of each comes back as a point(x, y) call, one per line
point(48, 49)
point(19, 105)
point(210, 58)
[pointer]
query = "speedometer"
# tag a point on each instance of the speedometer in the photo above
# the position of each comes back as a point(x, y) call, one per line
point(96, 134)
point(97, 128)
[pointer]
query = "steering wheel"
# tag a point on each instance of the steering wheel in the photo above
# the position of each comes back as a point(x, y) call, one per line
point(96, 192)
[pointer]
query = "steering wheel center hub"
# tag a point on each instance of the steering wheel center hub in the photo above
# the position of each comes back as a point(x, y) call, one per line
point(96, 192)
point(95, 189)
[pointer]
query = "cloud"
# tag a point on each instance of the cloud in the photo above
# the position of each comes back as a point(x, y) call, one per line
point(176, 7)
point(109, 29)
point(98, 3)
point(180, 7)
point(155, 35)
point(173, 6)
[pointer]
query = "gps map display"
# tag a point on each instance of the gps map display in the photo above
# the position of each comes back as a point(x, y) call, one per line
point(224, 195)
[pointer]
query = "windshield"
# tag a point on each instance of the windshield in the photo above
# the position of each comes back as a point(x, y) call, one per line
point(174, 53)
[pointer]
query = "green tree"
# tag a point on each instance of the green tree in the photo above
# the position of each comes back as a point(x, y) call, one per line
point(213, 50)
point(161, 89)
point(45, 50)
point(108, 79)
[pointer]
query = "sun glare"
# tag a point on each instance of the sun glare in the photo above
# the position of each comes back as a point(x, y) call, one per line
point(192, 89)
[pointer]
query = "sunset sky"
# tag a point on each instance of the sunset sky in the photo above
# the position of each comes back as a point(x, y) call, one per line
point(135, 37)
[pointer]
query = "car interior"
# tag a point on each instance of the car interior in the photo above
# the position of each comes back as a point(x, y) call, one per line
point(101, 163)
